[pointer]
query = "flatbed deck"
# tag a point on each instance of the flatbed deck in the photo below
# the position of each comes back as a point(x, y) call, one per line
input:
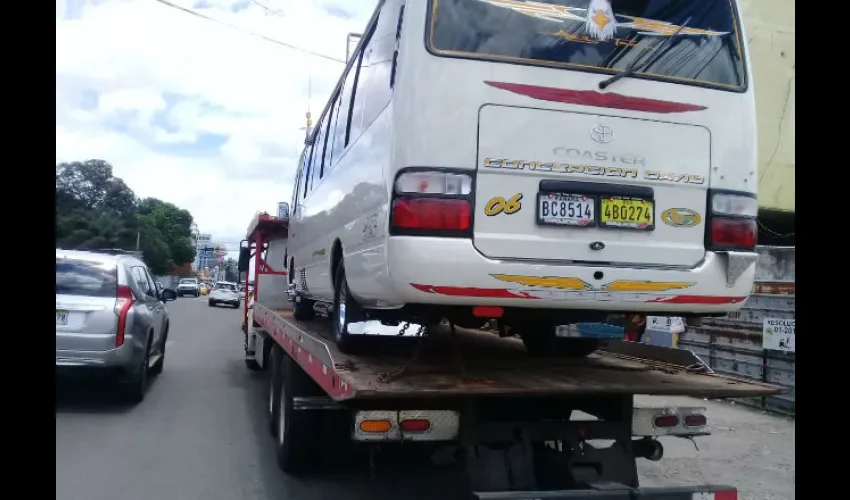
point(491, 366)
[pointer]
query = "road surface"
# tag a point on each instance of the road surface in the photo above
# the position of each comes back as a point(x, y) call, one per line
point(201, 435)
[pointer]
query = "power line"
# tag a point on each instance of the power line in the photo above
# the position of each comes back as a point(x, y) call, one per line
point(272, 40)
point(268, 9)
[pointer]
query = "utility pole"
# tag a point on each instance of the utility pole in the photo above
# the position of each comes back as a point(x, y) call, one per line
point(138, 239)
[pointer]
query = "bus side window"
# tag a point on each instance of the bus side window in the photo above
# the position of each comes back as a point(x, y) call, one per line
point(318, 154)
point(373, 90)
point(322, 155)
point(298, 177)
point(306, 170)
point(343, 115)
point(330, 151)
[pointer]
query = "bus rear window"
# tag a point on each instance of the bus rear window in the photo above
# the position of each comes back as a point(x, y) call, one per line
point(598, 36)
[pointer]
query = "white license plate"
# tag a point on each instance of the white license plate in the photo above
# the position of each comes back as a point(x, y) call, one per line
point(61, 318)
point(560, 209)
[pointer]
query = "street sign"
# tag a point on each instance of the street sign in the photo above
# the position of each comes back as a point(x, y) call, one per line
point(778, 334)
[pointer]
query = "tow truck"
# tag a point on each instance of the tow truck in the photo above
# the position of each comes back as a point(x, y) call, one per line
point(520, 427)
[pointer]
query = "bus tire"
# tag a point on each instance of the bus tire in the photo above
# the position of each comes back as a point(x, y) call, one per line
point(346, 311)
point(297, 440)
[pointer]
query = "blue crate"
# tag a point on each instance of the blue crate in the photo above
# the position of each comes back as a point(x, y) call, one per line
point(601, 331)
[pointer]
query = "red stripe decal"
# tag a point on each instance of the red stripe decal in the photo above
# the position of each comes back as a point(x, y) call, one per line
point(697, 299)
point(468, 291)
point(596, 99)
point(502, 293)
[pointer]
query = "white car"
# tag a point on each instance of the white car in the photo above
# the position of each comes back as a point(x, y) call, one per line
point(224, 292)
point(189, 286)
point(564, 162)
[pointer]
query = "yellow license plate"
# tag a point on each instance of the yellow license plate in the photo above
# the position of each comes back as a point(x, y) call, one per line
point(627, 213)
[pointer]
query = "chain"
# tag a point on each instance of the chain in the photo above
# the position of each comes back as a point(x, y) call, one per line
point(396, 374)
point(403, 329)
point(420, 332)
point(246, 343)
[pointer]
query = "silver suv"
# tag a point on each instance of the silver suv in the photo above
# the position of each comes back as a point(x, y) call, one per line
point(110, 317)
point(189, 286)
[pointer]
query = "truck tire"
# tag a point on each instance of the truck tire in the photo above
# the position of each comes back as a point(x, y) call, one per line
point(297, 444)
point(346, 311)
point(540, 341)
point(302, 309)
point(275, 380)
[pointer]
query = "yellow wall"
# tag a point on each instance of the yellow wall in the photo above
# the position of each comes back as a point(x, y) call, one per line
point(770, 32)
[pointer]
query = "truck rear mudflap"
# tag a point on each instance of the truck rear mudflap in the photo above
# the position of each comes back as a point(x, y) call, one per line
point(606, 491)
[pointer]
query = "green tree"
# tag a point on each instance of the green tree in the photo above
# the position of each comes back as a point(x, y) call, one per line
point(159, 220)
point(95, 209)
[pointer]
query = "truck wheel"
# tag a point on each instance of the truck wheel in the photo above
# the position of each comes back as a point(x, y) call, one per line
point(540, 341)
point(346, 311)
point(275, 379)
point(297, 431)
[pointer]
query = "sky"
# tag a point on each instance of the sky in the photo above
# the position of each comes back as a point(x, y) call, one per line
point(192, 112)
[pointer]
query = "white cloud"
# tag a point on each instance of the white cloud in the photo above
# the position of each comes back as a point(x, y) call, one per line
point(192, 112)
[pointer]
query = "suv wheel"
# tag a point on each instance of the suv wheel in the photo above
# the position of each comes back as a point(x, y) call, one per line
point(137, 389)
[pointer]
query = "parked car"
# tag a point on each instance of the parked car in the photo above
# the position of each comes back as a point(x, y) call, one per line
point(189, 286)
point(110, 318)
point(224, 292)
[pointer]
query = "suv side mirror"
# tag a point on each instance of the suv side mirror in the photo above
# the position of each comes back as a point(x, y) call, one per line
point(168, 295)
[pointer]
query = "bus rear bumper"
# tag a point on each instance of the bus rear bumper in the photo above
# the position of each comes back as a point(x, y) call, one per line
point(452, 272)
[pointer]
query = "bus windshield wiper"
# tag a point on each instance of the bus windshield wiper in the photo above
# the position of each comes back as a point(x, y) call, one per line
point(633, 67)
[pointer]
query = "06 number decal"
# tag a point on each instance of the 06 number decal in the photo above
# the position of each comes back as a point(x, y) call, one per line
point(499, 205)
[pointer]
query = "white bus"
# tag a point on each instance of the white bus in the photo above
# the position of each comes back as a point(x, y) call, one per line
point(540, 162)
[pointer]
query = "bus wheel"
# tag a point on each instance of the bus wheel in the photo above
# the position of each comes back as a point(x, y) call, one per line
point(346, 311)
point(297, 430)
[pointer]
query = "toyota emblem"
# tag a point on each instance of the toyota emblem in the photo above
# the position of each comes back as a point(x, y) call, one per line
point(597, 245)
point(602, 134)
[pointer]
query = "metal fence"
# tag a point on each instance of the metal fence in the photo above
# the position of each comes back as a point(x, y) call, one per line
point(733, 344)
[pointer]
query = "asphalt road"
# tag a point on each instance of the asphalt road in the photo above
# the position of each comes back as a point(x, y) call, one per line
point(201, 434)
